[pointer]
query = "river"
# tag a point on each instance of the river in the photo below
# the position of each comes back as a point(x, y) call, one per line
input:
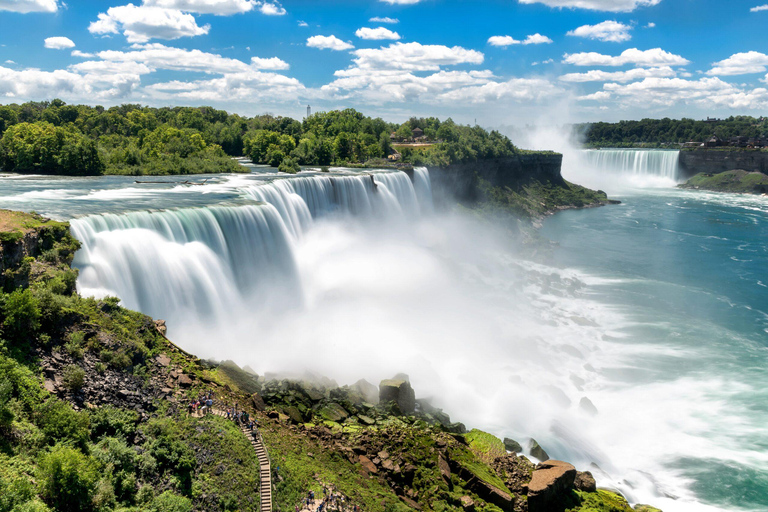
point(637, 347)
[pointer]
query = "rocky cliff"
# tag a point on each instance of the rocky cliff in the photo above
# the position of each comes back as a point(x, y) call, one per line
point(461, 182)
point(714, 161)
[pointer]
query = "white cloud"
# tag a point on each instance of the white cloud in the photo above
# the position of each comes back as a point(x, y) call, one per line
point(59, 43)
point(596, 5)
point(650, 24)
point(78, 53)
point(376, 33)
point(415, 57)
point(516, 89)
point(597, 96)
point(271, 9)
point(759, 8)
point(609, 31)
point(378, 19)
point(273, 63)
point(9, 61)
point(303, 23)
point(741, 64)
point(34, 83)
point(706, 93)
point(400, 2)
point(25, 6)
point(640, 58)
point(218, 7)
point(328, 43)
point(159, 56)
point(140, 24)
point(509, 40)
point(596, 75)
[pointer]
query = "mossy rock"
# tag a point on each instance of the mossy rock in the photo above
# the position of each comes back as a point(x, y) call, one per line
point(600, 501)
point(485, 446)
point(333, 412)
point(646, 508)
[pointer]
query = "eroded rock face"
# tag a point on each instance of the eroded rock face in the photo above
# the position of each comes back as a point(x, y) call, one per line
point(537, 451)
point(399, 391)
point(552, 481)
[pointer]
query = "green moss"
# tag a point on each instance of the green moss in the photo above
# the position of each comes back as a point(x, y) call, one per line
point(486, 446)
point(600, 501)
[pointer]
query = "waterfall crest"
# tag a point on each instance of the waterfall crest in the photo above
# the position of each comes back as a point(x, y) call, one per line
point(660, 163)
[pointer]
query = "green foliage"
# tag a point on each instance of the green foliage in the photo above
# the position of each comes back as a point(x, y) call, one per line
point(485, 446)
point(74, 346)
point(67, 479)
point(600, 501)
point(659, 131)
point(59, 422)
point(21, 315)
point(737, 181)
point(289, 165)
point(73, 377)
point(170, 502)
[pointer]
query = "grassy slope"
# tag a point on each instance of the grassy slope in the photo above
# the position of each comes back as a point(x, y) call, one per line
point(737, 181)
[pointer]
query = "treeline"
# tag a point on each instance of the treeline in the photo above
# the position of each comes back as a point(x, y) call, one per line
point(56, 138)
point(668, 131)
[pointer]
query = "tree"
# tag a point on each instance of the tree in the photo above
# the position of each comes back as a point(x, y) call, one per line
point(289, 165)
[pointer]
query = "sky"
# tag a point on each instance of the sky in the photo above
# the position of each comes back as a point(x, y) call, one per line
point(497, 62)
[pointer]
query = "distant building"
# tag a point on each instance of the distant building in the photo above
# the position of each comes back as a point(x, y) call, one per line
point(418, 132)
point(713, 142)
point(712, 120)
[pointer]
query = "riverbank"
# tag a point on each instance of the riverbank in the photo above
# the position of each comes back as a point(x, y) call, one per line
point(736, 181)
point(98, 391)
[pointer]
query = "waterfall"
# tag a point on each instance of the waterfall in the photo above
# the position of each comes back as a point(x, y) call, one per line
point(643, 162)
point(207, 262)
point(423, 189)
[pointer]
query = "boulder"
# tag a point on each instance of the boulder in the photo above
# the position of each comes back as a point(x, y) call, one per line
point(399, 391)
point(161, 327)
point(366, 420)
point(468, 504)
point(333, 412)
point(293, 413)
point(537, 451)
point(512, 446)
point(585, 482)
point(163, 360)
point(367, 390)
point(258, 402)
point(184, 380)
point(445, 469)
point(550, 485)
point(368, 466)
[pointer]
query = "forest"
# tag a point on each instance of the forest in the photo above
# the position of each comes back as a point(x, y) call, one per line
point(658, 132)
point(57, 138)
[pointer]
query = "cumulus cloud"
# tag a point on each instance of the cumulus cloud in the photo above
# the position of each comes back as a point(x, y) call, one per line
point(139, 24)
point(376, 33)
point(609, 31)
point(59, 43)
point(328, 43)
point(650, 24)
point(78, 53)
point(303, 23)
point(596, 5)
point(25, 6)
point(509, 40)
point(378, 19)
point(639, 58)
point(415, 57)
point(707, 93)
point(217, 7)
point(596, 75)
point(741, 64)
point(271, 9)
point(273, 63)
point(759, 8)
point(517, 89)
point(597, 96)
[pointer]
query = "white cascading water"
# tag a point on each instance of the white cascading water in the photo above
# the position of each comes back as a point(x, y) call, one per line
point(618, 169)
point(348, 277)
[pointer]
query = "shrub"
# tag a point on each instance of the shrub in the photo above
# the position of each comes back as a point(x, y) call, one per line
point(113, 422)
point(21, 315)
point(67, 479)
point(289, 165)
point(171, 502)
point(59, 422)
point(73, 377)
point(74, 346)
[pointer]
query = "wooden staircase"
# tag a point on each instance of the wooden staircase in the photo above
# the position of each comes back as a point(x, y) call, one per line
point(265, 469)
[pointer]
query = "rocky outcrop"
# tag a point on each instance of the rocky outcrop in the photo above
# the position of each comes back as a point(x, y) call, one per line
point(400, 392)
point(512, 446)
point(714, 161)
point(550, 484)
point(460, 182)
point(585, 482)
point(537, 451)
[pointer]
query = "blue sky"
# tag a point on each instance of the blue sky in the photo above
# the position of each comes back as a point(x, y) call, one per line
point(507, 62)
